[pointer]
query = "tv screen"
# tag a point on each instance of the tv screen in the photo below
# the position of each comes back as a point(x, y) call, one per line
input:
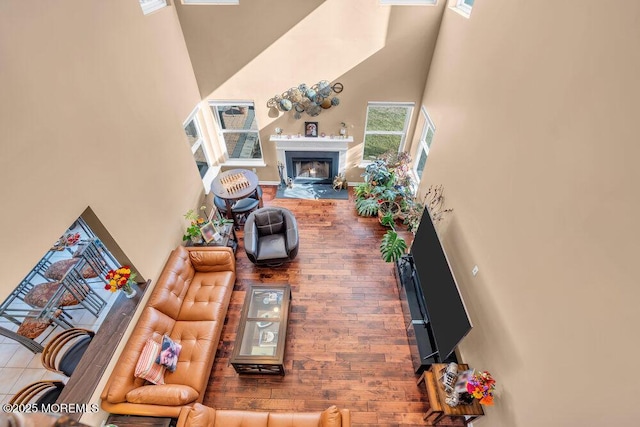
point(445, 309)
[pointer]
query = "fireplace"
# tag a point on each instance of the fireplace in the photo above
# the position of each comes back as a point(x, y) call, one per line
point(330, 153)
point(312, 167)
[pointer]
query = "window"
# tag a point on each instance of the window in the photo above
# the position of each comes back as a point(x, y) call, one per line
point(239, 130)
point(406, 2)
point(463, 7)
point(426, 137)
point(210, 1)
point(149, 6)
point(198, 148)
point(386, 128)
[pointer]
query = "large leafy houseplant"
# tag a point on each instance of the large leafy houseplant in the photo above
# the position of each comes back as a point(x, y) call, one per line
point(388, 192)
point(385, 192)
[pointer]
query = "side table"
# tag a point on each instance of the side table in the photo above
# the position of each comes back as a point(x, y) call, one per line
point(228, 238)
point(438, 407)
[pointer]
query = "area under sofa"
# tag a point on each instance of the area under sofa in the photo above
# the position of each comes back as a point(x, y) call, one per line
point(188, 304)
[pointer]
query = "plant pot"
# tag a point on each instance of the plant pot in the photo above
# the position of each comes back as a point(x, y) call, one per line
point(392, 207)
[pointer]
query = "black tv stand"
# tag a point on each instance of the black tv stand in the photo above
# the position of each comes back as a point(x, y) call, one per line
point(422, 344)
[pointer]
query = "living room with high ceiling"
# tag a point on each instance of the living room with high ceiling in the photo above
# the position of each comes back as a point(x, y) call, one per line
point(532, 107)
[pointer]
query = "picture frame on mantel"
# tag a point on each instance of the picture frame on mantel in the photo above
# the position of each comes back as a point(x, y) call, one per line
point(311, 129)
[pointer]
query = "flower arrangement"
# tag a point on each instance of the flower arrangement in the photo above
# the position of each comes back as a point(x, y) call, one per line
point(481, 386)
point(121, 278)
point(195, 222)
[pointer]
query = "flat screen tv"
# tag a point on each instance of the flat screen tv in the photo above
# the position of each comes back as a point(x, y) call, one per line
point(447, 315)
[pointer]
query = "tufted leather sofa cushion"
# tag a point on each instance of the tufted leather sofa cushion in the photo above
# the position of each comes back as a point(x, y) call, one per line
point(189, 305)
point(203, 416)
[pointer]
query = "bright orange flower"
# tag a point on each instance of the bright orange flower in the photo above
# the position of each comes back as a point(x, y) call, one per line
point(487, 400)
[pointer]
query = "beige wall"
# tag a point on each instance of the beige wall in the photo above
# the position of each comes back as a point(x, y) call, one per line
point(535, 107)
point(93, 99)
point(261, 48)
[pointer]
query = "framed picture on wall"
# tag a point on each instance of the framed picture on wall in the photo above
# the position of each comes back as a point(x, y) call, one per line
point(311, 129)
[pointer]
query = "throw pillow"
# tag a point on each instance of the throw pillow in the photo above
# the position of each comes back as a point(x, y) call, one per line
point(269, 222)
point(169, 354)
point(331, 417)
point(147, 368)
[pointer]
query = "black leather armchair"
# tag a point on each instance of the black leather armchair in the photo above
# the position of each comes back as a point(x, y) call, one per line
point(271, 236)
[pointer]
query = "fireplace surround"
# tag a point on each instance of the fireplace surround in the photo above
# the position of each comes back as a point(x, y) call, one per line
point(315, 153)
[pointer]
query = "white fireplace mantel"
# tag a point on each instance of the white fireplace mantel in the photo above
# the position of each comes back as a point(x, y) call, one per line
point(301, 143)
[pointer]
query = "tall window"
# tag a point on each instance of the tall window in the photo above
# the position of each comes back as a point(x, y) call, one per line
point(149, 6)
point(464, 7)
point(198, 148)
point(428, 129)
point(239, 129)
point(386, 129)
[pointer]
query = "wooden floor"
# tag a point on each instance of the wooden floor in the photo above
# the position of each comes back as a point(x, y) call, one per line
point(346, 342)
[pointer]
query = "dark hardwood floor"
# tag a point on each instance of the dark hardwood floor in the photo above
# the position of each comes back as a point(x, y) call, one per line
point(346, 342)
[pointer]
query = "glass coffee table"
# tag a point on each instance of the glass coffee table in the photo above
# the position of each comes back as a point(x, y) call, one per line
point(262, 333)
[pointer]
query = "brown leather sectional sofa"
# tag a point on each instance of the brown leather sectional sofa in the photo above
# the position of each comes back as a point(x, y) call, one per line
point(188, 303)
point(204, 416)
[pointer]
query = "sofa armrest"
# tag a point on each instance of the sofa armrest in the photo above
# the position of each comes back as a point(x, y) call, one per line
point(346, 417)
point(251, 239)
point(197, 415)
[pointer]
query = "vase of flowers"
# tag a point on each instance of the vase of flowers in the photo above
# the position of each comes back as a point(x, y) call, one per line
point(121, 279)
point(481, 386)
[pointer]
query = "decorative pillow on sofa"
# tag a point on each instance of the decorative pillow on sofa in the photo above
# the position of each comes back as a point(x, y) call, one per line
point(331, 417)
point(270, 222)
point(147, 368)
point(169, 354)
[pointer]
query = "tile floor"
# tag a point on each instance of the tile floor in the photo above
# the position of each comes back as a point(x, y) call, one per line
point(19, 366)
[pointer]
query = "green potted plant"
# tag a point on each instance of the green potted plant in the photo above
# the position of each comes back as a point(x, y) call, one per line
point(387, 191)
point(193, 229)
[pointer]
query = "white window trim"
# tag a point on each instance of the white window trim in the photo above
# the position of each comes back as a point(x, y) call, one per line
point(408, 2)
point(460, 7)
point(151, 7)
point(211, 173)
point(422, 145)
point(228, 161)
point(364, 162)
point(212, 2)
